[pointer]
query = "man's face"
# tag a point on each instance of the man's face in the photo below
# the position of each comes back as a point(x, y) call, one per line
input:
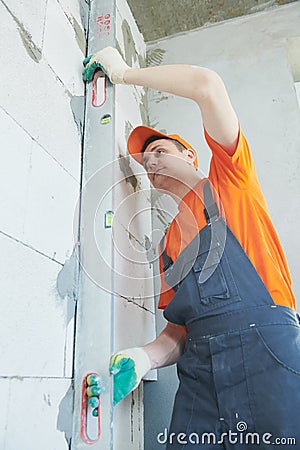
point(164, 164)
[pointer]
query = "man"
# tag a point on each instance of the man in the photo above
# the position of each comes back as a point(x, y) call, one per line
point(226, 288)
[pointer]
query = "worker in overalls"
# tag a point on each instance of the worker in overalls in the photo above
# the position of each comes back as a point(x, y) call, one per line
point(226, 290)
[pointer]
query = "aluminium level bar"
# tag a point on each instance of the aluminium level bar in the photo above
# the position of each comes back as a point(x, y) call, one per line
point(95, 314)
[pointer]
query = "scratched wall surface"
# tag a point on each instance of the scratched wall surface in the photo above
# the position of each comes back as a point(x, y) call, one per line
point(261, 71)
point(40, 116)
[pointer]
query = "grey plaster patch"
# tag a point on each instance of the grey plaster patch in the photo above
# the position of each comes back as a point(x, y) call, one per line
point(65, 414)
point(155, 196)
point(131, 54)
point(118, 47)
point(77, 107)
point(132, 237)
point(153, 124)
point(159, 212)
point(84, 13)
point(136, 301)
point(124, 164)
point(293, 47)
point(47, 399)
point(33, 51)
point(143, 105)
point(79, 29)
point(79, 34)
point(128, 129)
point(161, 216)
point(150, 250)
point(31, 48)
point(142, 61)
point(155, 56)
point(161, 96)
point(66, 283)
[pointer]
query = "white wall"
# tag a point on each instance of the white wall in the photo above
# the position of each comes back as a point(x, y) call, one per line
point(252, 54)
point(43, 45)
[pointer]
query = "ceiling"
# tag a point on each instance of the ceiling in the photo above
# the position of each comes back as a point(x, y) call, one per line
point(160, 18)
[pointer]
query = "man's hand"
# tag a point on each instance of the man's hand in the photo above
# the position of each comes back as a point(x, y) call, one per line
point(109, 61)
point(128, 368)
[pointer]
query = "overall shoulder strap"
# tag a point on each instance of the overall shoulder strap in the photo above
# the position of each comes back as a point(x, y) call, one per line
point(211, 209)
point(167, 261)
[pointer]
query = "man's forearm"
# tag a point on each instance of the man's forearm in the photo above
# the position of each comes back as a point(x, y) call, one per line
point(167, 348)
point(200, 84)
point(179, 79)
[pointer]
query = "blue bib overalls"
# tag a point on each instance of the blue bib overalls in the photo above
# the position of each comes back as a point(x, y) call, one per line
point(240, 371)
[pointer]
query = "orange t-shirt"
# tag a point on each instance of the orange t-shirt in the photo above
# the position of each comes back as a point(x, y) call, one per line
point(242, 203)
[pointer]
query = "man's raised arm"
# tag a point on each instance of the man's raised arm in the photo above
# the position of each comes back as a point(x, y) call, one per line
point(200, 84)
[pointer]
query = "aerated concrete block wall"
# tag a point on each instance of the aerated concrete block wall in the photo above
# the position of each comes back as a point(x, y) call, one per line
point(258, 57)
point(43, 44)
point(42, 123)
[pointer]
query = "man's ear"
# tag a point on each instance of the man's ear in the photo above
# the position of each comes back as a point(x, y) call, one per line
point(191, 155)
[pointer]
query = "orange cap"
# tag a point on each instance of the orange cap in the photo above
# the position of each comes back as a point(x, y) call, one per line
point(140, 134)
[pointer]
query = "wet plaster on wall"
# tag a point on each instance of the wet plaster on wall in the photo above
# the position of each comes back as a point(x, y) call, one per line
point(124, 164)
point(80, 30)
point(157, 210)
point(146, 245)
point(293, 48)
point(128, 129)
point(151, 253)
point(162, 217)
point(137, 301)
point(84, 10)
point(65, 414)
point(143, 105)
point(31, 48)
point(155, 56)
point(161, 96)
point(79, 33)
point(131, 56)
point(77, 106)
point(67, 283)
point(131, 236)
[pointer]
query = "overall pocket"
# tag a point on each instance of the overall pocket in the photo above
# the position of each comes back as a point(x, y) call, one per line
point(194, 361)
point(214, 277)
point(282, 343)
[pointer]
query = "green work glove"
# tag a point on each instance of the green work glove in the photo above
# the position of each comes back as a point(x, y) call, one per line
point(128, 368)
point(90, 67)
point(109, 61)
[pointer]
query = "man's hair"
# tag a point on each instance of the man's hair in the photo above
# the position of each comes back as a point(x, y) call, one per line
point(153, 138)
